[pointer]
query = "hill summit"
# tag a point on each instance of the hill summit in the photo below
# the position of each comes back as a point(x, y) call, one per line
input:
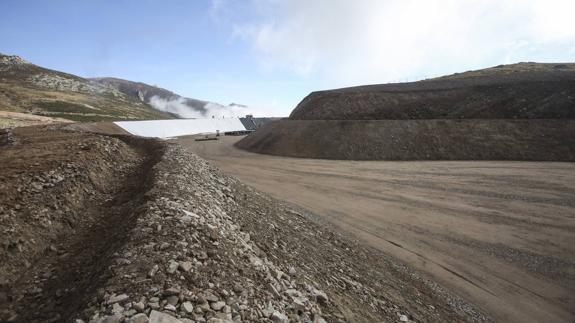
point(516, 91)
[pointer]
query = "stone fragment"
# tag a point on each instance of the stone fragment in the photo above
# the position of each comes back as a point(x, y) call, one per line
point(216, 306)
point(139, 306)
point(153, 271)
point(256, 262)
point(268, 311)
point(185, 266)
point(172, 266)
point(117, 308)
point(172, 291)
point(187, 307)
point(159, 317)
point(170, 307)
point(118, 299)
point(403, 318)
point(174, 299)
point(111, 319)
point(130, 312)
point(278, 317)
point(298, 303)
point(320, 296)
point(210, 297)
point(319, 319)
point(138, 318)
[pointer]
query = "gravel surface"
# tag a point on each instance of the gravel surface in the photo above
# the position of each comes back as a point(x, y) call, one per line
point(162, 236)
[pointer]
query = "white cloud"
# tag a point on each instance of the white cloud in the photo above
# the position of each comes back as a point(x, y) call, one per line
point(180, 108)
point(372, 41)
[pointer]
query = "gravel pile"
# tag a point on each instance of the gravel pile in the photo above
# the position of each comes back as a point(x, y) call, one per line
point(188, 260)
point(206, 248)
point(102, 229)
point(44, 195)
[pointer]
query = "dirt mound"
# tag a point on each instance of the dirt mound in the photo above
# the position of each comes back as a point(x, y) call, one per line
point(126, 230)
point(519, 91)
point(537, 140)
point(65, 208)
point(105, 128)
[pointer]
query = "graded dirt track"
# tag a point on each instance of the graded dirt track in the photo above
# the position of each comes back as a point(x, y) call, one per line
point(500, 234)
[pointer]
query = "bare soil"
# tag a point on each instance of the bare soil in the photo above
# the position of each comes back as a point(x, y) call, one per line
point(517, 91)
point(499, 234)
point(14, 119)
point(102, 228)
point(67, 205)
point(538, 140)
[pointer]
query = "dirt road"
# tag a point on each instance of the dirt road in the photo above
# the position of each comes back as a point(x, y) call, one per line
point(500, 234)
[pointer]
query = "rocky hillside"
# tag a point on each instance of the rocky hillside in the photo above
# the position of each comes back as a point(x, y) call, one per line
point(145, 93)
point(28, 88)
point(134, 230)
point(167, 101)
point(518, 91)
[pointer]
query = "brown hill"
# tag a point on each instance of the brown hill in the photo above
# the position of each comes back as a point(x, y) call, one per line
point(524, 111)
point(518, 91)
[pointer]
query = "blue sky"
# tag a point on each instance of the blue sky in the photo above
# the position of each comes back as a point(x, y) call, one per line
point(269, 54)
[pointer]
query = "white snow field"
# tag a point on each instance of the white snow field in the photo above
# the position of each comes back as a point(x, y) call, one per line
point(181, 127)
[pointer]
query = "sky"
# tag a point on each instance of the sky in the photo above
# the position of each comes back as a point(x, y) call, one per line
point(269, 54)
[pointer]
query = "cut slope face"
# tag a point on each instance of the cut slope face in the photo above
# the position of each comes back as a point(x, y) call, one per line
point(518, 91)
point(524, 111)
point(538, 140)
point(28, 88)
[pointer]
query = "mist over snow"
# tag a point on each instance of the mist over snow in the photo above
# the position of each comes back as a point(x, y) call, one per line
point(180, 108)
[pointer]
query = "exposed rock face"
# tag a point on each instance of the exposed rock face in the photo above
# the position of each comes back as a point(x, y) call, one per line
point(13, 61)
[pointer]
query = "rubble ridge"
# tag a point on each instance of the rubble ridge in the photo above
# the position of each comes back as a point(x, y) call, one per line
point(207, 248)
point(163, 236)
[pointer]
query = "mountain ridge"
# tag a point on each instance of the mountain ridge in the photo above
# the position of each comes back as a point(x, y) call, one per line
point(32, 89)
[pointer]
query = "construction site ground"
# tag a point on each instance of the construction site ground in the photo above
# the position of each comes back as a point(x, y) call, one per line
point(499, 234)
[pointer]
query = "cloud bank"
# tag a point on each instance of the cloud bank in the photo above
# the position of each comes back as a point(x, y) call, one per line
point(180, 108)
point(374, 41)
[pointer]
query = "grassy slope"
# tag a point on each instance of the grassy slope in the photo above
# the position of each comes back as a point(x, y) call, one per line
point(28, 88)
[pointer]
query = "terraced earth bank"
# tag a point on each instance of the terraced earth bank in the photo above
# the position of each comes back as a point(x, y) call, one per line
point(502, 139)
point(511, 112)
point(100, 228)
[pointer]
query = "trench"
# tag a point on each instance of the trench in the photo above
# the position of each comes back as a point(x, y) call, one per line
point(76, 275)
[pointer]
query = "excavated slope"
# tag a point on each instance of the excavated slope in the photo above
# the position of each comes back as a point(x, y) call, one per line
point(127, 229)
point(523, 111)
point(536, 140)
point(518, 91)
